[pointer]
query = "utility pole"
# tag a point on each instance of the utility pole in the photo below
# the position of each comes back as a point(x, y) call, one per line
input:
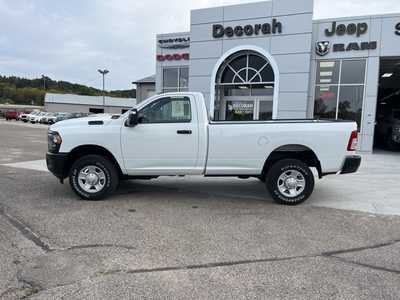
point(103, 72)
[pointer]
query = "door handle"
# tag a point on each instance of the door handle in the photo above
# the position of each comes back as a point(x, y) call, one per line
point(184, 132)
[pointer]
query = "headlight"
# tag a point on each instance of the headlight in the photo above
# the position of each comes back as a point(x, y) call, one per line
point(54, 141)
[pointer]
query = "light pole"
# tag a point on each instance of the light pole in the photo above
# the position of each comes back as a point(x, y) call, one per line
point(44, 82)
point(103, 72)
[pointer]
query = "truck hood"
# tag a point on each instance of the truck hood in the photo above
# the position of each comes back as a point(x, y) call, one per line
point(105, 118)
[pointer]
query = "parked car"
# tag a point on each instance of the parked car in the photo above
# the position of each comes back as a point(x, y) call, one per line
point(35, 117)
point(78, 115)
point(32, 114)
point(387, 129)
point(24, 117)
point(45, 118)
point(171, 134)
point(52, 118)
point(11, 115)
point(62, 117)
point(19, 115)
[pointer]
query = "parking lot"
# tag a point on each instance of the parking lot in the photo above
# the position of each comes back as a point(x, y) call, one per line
point(182, 238)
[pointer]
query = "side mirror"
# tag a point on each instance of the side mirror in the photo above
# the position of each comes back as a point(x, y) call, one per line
point(133, 119)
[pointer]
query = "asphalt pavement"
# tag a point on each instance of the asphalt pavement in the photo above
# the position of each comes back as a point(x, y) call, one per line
point(180, 238)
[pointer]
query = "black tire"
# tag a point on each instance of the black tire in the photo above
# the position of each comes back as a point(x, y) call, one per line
point(286, 165)
point(102, 163)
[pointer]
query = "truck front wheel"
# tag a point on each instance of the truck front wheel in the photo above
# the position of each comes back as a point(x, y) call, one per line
point(93, 177)
point(290, 182)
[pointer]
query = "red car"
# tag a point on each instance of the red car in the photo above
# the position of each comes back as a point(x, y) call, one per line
point(11, 115)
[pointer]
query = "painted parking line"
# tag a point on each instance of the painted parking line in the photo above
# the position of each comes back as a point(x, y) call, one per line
point(36, 165)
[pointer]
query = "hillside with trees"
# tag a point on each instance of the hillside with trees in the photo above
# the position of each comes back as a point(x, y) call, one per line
point(17, 90)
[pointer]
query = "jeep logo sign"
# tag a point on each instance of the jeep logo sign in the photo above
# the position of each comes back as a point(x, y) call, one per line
point(218, 30)
point(351, 29)
point(397, 29)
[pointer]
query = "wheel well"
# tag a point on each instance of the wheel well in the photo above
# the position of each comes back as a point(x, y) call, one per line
point(300, 152)
point(83, 150)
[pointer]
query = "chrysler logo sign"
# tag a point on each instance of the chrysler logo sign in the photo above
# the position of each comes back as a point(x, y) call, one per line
point(174, 43)
point(322, 48)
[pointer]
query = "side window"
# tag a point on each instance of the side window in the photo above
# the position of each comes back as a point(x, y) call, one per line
point(167, 110)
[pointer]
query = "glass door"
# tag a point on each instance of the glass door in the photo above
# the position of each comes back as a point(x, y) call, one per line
point(246, 108)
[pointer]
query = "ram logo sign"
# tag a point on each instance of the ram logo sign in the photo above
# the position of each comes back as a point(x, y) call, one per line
point(322, 48)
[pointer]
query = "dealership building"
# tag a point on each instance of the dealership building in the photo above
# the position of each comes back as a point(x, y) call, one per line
point(272, 60)
point(87, 104)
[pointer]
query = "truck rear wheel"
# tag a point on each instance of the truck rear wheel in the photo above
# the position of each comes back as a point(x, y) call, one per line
point(290, 182)
point(93, 177)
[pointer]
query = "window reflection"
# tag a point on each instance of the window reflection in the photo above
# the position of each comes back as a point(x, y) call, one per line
point(175, 79)
point(339, 89)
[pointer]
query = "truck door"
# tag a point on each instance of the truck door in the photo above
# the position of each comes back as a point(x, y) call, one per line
point(165, 142)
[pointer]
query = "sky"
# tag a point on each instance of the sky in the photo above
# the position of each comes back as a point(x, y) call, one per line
point(70, 40)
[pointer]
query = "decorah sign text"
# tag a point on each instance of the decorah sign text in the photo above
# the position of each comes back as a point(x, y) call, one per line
point(219, 31)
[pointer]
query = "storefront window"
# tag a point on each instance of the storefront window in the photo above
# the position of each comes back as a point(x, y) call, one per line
point(353, 72)
point(244, 88)
point(339, 90)
point(326, 102)
point(175, 79)
point(350, 103)
point(265, 110)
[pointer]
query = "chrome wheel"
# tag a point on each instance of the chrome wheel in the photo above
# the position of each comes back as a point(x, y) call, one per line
point(291, 183)
point(91, 179)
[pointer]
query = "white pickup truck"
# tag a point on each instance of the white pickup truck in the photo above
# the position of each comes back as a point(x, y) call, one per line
point(171, 134)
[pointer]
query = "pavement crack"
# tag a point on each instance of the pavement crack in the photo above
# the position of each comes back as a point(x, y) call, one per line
point(378, 268)
point(217, 264)
point(334, 255)
point(357, 249)
point(24, 290)
point(91, 246)
point(25, 230)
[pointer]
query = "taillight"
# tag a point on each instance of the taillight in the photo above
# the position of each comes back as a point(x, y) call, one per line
point(353, 141)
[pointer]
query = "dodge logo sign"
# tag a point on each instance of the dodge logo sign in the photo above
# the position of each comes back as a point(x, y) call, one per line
point(322, 48)
point(176, 56)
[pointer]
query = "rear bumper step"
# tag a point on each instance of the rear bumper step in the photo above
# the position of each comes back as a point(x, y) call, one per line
point(351, 164)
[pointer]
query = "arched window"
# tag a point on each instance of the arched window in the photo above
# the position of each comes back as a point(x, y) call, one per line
point(246, 68)
point(244, 88)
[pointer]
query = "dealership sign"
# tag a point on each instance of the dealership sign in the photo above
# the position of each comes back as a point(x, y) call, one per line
point(219, 31)
point(322, 48)
point(171, 57)
point(351, 29)
point(174, 43)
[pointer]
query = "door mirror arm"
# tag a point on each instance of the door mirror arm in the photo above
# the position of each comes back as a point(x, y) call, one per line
point(133, 118)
